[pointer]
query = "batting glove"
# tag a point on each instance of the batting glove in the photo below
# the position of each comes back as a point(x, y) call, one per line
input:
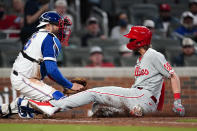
point(178, 107)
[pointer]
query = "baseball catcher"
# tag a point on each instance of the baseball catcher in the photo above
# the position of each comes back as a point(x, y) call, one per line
point(144, 96)
point(37, 60)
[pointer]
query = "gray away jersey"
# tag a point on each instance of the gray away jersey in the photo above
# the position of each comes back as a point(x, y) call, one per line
point(149, 71)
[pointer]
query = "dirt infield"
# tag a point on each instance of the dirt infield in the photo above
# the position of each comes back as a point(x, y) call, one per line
point(144, 121)
point(79, 116)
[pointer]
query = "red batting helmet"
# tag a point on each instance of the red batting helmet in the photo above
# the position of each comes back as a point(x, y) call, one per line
point(139, 36)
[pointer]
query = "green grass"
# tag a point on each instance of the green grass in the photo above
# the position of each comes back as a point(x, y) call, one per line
point(58, 127)
point(187, 120)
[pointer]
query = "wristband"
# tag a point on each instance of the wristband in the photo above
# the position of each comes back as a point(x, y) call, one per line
point(177, 96)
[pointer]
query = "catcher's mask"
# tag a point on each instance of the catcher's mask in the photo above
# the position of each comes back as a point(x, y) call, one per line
point(139, 36)
point(64, 30)
point(64, 24)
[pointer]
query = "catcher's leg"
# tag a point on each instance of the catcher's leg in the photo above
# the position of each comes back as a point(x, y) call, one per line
point(20, 105)
point(15, 106)
point(33, 89)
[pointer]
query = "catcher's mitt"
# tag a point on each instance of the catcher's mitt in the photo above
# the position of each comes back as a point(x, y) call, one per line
point(80, 81)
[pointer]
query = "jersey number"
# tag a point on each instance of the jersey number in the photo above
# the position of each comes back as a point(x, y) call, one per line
point(168, 66)
point(29, 42)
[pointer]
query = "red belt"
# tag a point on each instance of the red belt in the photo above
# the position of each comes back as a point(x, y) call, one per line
point(152, 97)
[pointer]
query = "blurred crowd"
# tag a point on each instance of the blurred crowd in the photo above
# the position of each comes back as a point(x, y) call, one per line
point(18, 21)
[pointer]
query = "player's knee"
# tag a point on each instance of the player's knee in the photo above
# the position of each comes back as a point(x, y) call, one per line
point(57, 95)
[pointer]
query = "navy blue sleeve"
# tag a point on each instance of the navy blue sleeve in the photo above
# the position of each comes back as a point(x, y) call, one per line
point(54, 73)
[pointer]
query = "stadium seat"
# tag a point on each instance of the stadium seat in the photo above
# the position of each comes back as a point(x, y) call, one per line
point(10, 44)
point(108, 6)
point(75, 57)
point(107, 43)
point(171, 53)
point(126, 3)
point(165, 43)
point(9, 51)
point(166, 46)
point(157, 2)
point(2, 35)
point(1, 59)
point(74, 42)
point(190, 60)
point(128, 61)
point(178, 9)
point(185, 2)
point(111, 52)
point(140, 12)
point(8, 57)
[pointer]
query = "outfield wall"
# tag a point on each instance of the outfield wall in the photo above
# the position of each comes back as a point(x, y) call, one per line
point(118, 77)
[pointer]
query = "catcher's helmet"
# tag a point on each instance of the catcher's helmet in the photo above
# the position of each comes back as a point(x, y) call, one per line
point(139, 36)
point(52, 17)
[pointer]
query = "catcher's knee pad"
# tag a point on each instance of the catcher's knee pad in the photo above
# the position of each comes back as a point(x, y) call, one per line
point(57, 95)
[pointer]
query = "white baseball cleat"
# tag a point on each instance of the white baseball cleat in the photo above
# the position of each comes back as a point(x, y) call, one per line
point(137, 111)
point(44, 107)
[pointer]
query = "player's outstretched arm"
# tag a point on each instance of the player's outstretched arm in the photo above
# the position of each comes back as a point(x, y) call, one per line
point(176, 89)
point(55, 74)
